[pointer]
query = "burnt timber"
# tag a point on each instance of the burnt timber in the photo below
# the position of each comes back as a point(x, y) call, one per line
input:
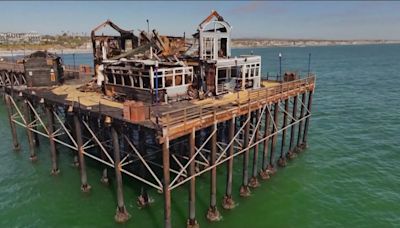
point(176, 141)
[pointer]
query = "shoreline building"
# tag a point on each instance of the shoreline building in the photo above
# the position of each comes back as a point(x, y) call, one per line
point(10, 37)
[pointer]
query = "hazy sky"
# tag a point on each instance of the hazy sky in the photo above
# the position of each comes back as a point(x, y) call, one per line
point(250, 19)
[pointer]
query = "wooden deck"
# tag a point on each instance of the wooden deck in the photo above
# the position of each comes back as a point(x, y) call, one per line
point(176, 119)
point(179, 122)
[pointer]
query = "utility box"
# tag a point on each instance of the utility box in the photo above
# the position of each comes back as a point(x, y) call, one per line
point(43, 69)
point(135, 111)
point(290, 76)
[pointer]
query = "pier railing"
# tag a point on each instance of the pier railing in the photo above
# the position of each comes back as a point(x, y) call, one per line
point(70, 71)
point(10, 66)
point(198, 112)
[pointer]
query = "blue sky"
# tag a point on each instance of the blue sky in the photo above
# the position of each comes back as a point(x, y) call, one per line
point(250, 19)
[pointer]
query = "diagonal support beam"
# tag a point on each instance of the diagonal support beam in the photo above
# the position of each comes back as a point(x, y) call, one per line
point(143, 161)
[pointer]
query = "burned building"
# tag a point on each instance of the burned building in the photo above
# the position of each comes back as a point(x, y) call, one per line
point(106, 46)
point(147, 80)
point(162, 68)
point(222, 72)
point(43, 69)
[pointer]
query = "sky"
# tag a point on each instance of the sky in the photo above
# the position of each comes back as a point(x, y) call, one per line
point(249, 19)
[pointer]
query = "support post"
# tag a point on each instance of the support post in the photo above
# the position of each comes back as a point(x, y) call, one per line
point(299, 134)
point(33, 156)
point(244, 189)
point(14, 135)
point(254, 181)
point(85, 187)
point(104, 176)
point(228, 202)
point(143, 199)
point(192, 222)
point(282, 158)
point(213, 213)
point(271, 167)
point(264, 174)
point(53, 152)
point(291, 154)
point(310, 95)
point(167, 191)
point(35, 135)
point(121, 214)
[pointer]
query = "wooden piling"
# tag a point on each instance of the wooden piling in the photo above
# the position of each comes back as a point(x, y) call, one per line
point(307, 122)
point(192, 222)
point(121, 214)
point(166, 190)
point(282, 158)
point(271, 167)
point(98, 125)
point(253, 180)
point(264, 174)
point(244, 189)
point(53, 151)
point(16, 145)
point(27, 116)
point(291, 153)
point(213, 213)
point(143, 199)
point(85, 187)
point(35, 135)
point(300, 132)
point(228, 202)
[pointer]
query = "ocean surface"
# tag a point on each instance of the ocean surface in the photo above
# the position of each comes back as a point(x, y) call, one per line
point(348, 177)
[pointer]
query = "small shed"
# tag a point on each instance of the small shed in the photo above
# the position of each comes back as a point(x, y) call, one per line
point(43, 69)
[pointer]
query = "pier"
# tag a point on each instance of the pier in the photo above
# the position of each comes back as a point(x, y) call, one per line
point(173, 140)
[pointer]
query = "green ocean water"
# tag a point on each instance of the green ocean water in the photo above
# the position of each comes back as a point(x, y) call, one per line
point(348, 177)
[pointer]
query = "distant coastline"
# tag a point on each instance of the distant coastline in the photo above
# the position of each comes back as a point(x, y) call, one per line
point(8, 53)
point(262, 43)
point(236, 43)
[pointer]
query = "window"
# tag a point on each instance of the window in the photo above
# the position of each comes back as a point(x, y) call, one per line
point(178, 77)
point(188, 77)
point(168, 81)
point(118, 79)
point(110, 79)
point(208, 48)
point(159, 80)
point(127, 80)
point(146, 82)
point(235, 72)
point(136, 82)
